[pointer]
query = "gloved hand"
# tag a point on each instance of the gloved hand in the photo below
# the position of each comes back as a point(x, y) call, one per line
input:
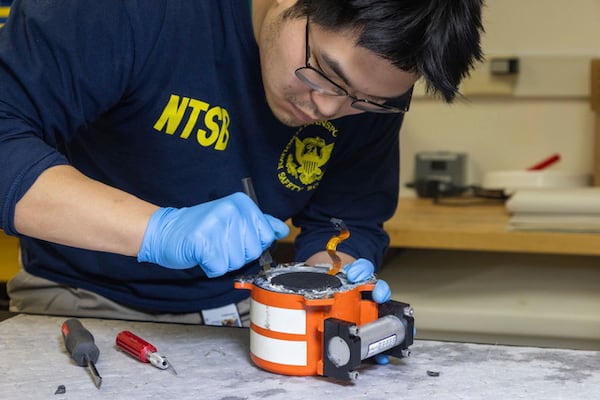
point(220, 236)
point(361, 270)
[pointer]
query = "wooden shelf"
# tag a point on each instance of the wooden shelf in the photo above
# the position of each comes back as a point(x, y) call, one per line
point(418, 223)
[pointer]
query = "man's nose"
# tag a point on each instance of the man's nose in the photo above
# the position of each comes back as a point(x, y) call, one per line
point(333, 106)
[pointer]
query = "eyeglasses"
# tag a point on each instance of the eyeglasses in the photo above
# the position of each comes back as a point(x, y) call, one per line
point(319, 82)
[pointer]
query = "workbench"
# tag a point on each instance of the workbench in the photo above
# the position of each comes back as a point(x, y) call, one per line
point(214, 363)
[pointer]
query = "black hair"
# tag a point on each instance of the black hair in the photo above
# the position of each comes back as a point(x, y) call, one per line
point(439, 39)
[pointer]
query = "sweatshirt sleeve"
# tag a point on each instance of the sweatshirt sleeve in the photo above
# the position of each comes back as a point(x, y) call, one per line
point(360, 187)
point(61, 66)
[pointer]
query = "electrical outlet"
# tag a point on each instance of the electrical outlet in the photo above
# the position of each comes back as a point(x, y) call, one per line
point(484, 81)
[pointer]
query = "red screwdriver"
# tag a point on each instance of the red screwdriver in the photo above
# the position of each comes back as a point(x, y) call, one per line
point(142, 350)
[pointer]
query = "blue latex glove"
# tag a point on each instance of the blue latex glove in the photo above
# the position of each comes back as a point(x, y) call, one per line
point(220, 236)
point(361, 270)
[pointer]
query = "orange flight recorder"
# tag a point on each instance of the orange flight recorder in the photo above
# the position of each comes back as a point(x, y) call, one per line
point(305, 321)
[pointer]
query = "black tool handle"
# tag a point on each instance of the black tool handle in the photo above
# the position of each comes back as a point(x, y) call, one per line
point(79, 342)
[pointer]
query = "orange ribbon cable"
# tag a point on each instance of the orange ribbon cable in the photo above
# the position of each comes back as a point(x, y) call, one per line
point(336, 261)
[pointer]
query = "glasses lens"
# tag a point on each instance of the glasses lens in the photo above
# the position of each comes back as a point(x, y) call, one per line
point(317, 82)
point(367, 106)
point(399, 105)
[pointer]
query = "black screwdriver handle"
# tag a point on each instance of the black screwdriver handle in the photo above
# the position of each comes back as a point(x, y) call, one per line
point(79, 342)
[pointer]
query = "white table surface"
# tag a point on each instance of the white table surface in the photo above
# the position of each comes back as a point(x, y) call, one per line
point(214, 363)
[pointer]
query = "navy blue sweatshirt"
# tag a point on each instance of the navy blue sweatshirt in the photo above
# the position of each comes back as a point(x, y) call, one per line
point(164, 100)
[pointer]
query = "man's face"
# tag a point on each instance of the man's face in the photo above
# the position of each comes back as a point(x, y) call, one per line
point(360, 72)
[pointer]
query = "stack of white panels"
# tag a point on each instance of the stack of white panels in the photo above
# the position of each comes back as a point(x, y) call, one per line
point(567, 210)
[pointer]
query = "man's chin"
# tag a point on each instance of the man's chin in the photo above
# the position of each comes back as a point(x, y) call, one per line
point(287, 113)
point(288, 121)
point(287, 118)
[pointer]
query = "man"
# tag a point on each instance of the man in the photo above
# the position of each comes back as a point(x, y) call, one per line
point(126, 129)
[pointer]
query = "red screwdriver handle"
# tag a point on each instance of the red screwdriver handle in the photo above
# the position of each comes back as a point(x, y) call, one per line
point(135, 345)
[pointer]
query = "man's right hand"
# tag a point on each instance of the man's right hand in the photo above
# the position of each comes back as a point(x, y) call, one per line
point(220, 236)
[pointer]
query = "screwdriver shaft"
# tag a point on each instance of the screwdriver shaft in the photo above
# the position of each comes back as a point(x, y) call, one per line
point(265, 260)
point(94, 372)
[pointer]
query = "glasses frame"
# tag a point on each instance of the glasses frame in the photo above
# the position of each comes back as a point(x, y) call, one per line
point(357, 103)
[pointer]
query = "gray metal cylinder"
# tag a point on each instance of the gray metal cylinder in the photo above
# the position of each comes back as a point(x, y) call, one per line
point(381, 335)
